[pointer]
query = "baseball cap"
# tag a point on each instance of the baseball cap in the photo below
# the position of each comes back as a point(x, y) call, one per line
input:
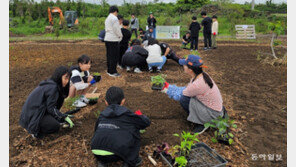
point(192, 60)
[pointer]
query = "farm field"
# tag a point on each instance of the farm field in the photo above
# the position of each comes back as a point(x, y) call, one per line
point(254, 93)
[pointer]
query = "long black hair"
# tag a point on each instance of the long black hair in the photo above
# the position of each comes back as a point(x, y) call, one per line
point(57, 78)
point(197, 71)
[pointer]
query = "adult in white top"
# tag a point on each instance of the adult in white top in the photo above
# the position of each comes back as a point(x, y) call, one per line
point(112, 38)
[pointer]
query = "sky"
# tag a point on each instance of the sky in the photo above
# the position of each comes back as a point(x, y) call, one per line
point(118, 2)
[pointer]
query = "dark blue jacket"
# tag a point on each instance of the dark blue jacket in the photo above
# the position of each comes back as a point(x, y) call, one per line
point(117, 130)
point(134, 56)
point(46, 98)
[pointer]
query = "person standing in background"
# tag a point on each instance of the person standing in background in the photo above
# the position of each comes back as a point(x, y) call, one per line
point(151, 23)
point(134, 25)
point(112, 38)
point(214, 31)
point(207, 30)
point(194, 30)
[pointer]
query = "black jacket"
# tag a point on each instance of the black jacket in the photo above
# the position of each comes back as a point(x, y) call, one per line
point(134, 56)
point(207, 23)
point(151, 22)
point(118, 130)
point(194, 29)
point(46, 98)
point(126, 36)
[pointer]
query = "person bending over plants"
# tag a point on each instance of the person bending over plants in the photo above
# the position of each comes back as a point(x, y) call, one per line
point(81, 81)
point(154, 58)
point(136, 57)
point(168, 52)
point(40, 113)
point(117, 131)
point(201, 98)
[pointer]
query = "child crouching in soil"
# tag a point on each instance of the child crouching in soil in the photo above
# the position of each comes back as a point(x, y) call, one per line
point(154, 58)
point(81, 81)
point(117, 131)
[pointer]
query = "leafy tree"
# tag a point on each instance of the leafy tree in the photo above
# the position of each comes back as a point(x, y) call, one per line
point(187, 5)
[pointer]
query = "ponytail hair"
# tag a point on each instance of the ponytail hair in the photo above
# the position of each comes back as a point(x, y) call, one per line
point(197, 71)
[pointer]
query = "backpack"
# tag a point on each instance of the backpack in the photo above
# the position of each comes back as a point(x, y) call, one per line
point(133, 22)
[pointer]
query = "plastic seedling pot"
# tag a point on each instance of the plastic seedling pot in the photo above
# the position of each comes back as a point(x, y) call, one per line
point(201, 155)
point(97, 78)
point(223, 139)
point(93, 101)
point(157, 86)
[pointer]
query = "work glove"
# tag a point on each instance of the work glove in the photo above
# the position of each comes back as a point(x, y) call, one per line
point(165, 87)
point(67, 119)
point(93, 81)
point(214, 33)
point(138, 112)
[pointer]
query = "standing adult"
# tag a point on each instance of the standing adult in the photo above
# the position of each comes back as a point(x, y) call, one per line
point(151, 23)
point(207, 30)
point(134, 25)
point(112, 38)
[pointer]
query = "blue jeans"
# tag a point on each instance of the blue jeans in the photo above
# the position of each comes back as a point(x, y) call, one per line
point(158, 64)
point(184, 101)
point(154, 33)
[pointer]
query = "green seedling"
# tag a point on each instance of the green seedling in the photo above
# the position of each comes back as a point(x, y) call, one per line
point(222, 126)
point(97, 113)
point(157, 81)
point(70, 64)
point(96, 74)
point(179, 152)
point(69, 102)
point(142, 131)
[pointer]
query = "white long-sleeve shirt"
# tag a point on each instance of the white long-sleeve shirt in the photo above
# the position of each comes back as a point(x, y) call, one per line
point(215, 27)
point(154, 54)
point(113, 29)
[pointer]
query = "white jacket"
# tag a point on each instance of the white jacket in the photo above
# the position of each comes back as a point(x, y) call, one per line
point(113, 29)
point(215, 27)
point(154, 54)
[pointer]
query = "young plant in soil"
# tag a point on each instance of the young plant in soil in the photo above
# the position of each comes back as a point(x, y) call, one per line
point(157, 82)
point(93, 101)
point(69, 103)
point(181, 152)
point(97, 76)
point(97, 113)
point(222, 133)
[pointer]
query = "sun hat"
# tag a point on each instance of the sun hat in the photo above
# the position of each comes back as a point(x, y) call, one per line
point(192, 60)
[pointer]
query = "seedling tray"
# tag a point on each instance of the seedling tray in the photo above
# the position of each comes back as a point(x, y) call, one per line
point(156, 87)
point(201, 155)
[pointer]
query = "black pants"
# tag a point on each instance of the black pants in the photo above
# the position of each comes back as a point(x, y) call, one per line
point(207, 39)
point(184, 101)
point(48, 124)
point(123, 48)
point(112, 53)
point(134, 29)
point(194, 41)
point(108, 158)
point(173, 56)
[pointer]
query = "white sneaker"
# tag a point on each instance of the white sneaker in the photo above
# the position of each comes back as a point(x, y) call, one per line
point(137, 70)
point(119, 66)
point(114, 74)
point(128, 69)
point(78, 103)
point(84, 99)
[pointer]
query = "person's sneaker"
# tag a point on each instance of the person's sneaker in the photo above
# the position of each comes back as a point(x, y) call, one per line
point(214, 47)
point(205, 48)
point(191, 50)
point(198, 128)
point(137, 70)
point(158, 70)
point(78, 103)
point(84, 99)
point(209, 48)
point(128, 69)
point(151, 70)
point(139, 161)
point(120, 67)
point(114, 74)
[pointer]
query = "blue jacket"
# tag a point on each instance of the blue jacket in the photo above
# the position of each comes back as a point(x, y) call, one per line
point(175, 92)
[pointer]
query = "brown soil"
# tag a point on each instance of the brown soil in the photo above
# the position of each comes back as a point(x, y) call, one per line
point(254, 93)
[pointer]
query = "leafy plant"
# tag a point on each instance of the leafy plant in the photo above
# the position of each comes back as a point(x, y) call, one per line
point(187, 140)
point(158, 79)
point(142, 131)
point(222, 126)
point(69, 102)
point(96, 74)
point(97, 113)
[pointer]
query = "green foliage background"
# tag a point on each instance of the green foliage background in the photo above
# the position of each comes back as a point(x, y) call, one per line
point(29, 17)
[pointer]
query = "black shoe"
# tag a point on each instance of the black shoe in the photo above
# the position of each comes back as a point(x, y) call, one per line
point(214, 47)
point(198, 128)
point(101, 164)
point(138, 163)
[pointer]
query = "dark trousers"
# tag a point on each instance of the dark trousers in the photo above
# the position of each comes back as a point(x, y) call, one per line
point(173, 56)
point(136, 32)
point(108, 158)
point(184, 101)
point(48, 124)
point(194, 41)
point(122, 50)
point(207, 39)
point(112, 53)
